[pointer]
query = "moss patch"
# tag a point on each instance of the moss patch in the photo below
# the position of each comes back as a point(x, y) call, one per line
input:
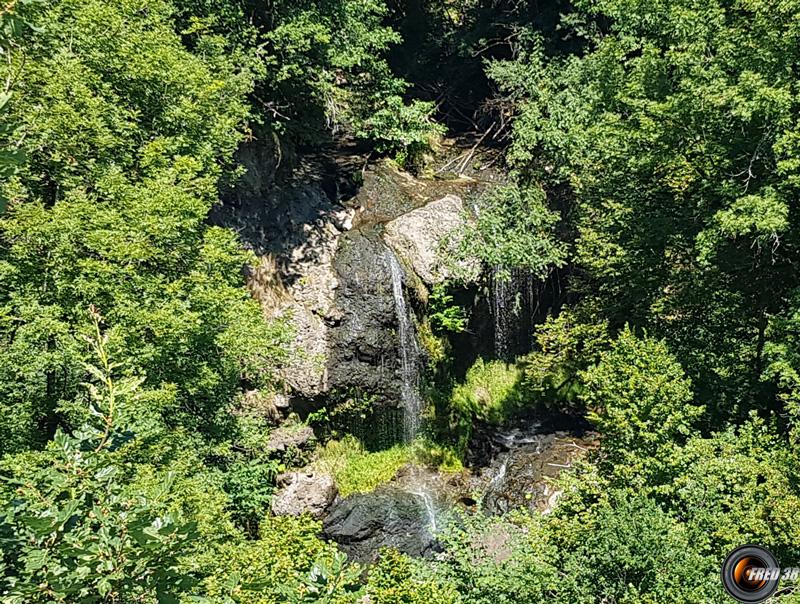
point(357, 470)
point(490, 392)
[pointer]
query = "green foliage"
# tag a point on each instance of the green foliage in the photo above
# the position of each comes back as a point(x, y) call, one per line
point(125, 131)
point(250, 484)
point(673, 133)
point(436, 345)
point(490, 392)
point(325, 65)
point(513, 229)
point(287, 563)
point(566, 346)
point(14, 22)
point(498, 560)
point(437, 455)
point(329, 582)
point(357, 470)
point(407, 131)
point(444, 315)
point(641, 401)
point(321, 70)
point(664, 133)
point(399, 579)
point(72, 532)
point(718, 500)
point(622, 553)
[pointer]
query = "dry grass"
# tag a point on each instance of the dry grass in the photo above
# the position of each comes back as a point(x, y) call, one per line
point(266, 286)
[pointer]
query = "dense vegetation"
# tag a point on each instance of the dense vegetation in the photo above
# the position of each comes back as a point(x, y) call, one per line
point(654, 154)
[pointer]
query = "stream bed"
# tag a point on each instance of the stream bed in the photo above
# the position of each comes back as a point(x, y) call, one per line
point(509, 468)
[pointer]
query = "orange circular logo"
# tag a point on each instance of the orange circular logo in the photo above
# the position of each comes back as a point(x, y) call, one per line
point(750, 573)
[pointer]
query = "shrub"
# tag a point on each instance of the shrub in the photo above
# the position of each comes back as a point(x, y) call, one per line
point(629, 550)
point(407, 130)
point(566, 347)
point(74, 530)
point(399, 579)
point(444, 314)
point(357, 470)
point(498, 560)
point(641, 401)
point(490, 392)
point(288, 563)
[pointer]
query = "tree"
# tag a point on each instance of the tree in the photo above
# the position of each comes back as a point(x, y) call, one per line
point(641, 401)
point(70, 532)
point(126, 132)
point(514, 229)
point(673, 135)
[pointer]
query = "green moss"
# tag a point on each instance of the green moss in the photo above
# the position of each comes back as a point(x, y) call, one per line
point(443, 457)
point(490, 392)
point(436, 347)
point(357, 470)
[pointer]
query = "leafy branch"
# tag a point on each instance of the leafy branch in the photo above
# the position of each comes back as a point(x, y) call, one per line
point(107, 392)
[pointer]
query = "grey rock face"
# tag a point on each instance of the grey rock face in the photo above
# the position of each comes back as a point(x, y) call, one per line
point(304, 492)
point(363, 350)
point(289, 437)
point(363, 524)
point(323, 267)
point(424, 237)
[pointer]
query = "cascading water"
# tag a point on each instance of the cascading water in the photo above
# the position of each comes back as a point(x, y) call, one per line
point(409, 354)
point(430, 508)
point(501, 309)
point(513, 306)
point(410, 398)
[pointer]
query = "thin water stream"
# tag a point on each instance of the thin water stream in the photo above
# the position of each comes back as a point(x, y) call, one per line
point(410, 398)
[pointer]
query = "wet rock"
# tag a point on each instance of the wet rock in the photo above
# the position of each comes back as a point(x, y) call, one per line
point(388, 193)
point(303, 492)
point(323, 266)
point(418, 238)
point(290, 437)
point(363, 524)
point(363, 348)
point(524, 462)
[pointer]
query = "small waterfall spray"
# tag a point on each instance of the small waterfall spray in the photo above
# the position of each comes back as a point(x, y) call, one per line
point(409, 354)
point(429, 507)
point(502, 306)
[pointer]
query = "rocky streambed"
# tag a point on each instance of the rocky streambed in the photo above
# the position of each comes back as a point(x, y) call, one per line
point(510, 468)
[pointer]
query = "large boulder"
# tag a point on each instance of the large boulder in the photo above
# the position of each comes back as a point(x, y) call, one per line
point(426, 238)
point(304, 492)
point(287, 438)
point(364, 524)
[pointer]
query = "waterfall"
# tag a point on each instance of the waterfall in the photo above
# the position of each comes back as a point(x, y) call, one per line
point(501, 472)
point(501, 306)
point(513, 305)
point(429, 509)
point(409, 354)
point(410, 398)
